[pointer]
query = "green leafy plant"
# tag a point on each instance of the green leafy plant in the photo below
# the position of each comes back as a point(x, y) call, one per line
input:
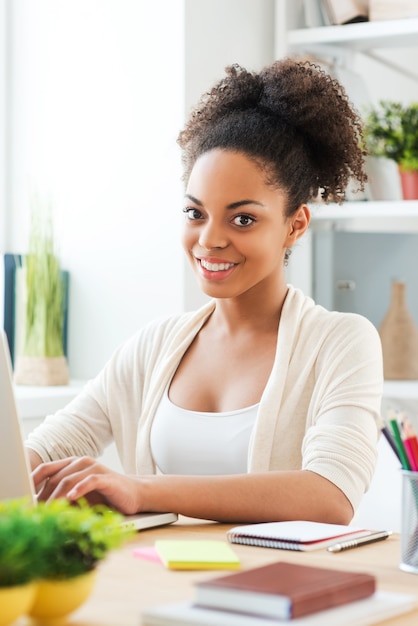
point(44, 311)
point(79, 537)
point(20, 551)
point(55, 540)
point(391, 131)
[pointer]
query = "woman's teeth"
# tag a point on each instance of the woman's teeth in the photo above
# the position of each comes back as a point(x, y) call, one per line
point(216, 267)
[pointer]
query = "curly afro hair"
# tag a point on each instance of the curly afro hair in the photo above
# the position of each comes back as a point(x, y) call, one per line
point(292, 118)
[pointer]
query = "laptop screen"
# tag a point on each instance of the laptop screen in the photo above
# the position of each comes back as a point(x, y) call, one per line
point(15, 478)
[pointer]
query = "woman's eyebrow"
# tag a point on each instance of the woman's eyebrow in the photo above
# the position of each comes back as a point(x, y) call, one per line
point(239, 203)
point(193, 199)
point(233, 205)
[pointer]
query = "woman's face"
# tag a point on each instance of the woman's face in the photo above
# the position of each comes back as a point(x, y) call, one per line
point(235, 232)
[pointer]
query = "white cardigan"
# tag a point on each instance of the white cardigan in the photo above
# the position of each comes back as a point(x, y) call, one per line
point(320, 410)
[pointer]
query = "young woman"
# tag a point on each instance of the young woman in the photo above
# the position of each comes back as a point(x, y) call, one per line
point(261, 405)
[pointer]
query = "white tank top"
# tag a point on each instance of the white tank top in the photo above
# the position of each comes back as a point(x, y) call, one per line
point(189, 442)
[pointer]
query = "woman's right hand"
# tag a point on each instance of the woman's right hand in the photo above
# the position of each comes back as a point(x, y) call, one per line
point(83, 477)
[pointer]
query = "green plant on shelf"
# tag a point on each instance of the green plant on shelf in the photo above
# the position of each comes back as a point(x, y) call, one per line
point(44, 313)
point(391, 131)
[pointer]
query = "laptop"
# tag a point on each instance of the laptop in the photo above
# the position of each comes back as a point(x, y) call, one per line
point(15, 476)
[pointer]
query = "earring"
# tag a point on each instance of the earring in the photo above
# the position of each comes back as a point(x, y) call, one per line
point(287, 256)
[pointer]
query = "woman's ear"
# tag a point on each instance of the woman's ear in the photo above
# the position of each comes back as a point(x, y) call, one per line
point(298, 224)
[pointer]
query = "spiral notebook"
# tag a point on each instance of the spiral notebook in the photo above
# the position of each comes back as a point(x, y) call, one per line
point(295, 535)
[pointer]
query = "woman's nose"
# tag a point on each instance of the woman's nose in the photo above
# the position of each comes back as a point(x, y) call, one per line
point(212, 235)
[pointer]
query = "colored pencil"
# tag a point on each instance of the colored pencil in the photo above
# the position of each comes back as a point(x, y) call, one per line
point(399, 443)
point(410, 442)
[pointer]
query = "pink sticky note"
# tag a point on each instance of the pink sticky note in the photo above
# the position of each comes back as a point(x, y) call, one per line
point(147, 552)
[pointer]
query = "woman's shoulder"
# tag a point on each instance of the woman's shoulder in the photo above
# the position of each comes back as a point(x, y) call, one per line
point(312, 316)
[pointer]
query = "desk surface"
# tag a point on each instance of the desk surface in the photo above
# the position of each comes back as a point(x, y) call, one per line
point(126, 584)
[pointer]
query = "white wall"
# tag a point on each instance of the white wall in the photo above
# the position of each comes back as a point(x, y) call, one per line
point(97, 95)
point(3, 129)
point(96, 100)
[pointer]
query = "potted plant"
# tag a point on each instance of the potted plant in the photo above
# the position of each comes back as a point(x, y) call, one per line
point(40, 301)
point(49, 553)
point(20, 560)
point(408, 162)
point(79, 537)
point(391, 140)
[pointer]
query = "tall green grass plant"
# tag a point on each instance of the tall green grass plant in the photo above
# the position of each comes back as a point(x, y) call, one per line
point(44, 311)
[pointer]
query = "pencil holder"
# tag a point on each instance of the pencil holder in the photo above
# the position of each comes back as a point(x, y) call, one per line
point(409, 522)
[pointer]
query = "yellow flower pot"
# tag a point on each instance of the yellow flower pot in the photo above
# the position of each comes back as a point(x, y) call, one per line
point(15, 601)
point(55, 599)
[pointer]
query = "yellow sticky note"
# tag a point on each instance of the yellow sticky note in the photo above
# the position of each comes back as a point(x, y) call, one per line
point(197, 554)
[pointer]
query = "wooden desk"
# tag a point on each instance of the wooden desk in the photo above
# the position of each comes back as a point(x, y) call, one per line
point(126, 584)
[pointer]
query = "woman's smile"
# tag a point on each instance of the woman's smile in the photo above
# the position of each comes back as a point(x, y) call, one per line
point(215, 269)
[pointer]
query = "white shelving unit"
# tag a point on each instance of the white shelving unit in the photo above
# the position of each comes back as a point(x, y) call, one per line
point(341, 42)
point(294, 37)
point(359, 37)
point(367, 216)
point(37, 402)
point(338, 44)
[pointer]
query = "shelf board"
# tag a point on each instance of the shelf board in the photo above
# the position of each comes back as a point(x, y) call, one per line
point(35, 402)
point(361, 36)
point(402, 389)
point(367, 216)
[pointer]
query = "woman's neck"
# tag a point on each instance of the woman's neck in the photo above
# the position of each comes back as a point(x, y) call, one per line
point(250, 312)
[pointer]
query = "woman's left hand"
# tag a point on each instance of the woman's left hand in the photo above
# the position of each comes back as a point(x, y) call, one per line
point(84, 477)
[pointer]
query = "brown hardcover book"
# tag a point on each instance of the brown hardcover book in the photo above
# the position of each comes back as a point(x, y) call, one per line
point(283, 590)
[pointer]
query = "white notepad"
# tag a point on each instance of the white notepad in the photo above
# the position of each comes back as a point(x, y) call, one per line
point(295, 535)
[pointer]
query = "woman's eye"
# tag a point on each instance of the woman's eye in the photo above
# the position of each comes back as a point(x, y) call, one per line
point(192, 214)
point(243, 220)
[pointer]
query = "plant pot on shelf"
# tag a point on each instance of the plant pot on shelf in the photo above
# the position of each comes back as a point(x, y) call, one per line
point(399, 336)
point(40, 308)
point(41, 371)
point(40, 359)
point(384, 182)
point(409, 182)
